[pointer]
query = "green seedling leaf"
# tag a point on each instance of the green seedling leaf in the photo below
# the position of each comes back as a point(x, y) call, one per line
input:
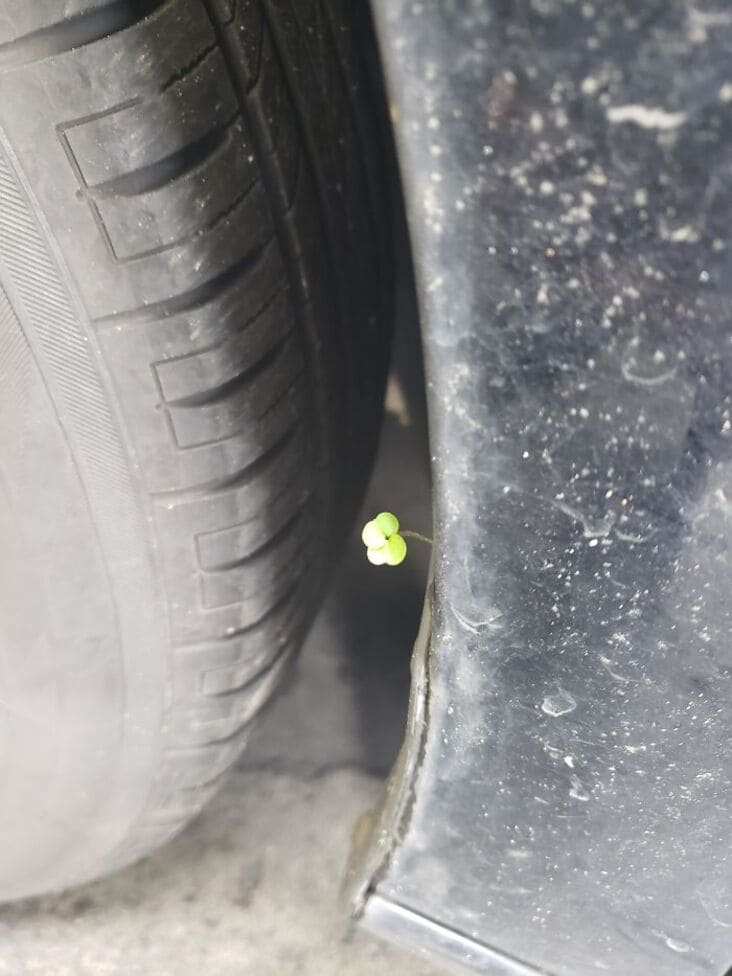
point(388, 523)
point(384, 545)
point(372, 535)
point(396, 550)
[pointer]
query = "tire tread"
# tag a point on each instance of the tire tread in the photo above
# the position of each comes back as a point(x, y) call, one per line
point(233, 207)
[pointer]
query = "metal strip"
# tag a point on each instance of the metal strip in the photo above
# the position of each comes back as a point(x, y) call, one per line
point(399, 924)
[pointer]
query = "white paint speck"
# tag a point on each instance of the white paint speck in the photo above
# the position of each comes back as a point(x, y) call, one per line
point(536, 122)
point(596, 176)
point(677, 945)
point(645, 116)
point(684, 235)
point(560, 703)
point(577, 790)
point(576, 215)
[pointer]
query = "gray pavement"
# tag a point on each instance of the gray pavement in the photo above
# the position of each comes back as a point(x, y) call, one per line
point(251, 887)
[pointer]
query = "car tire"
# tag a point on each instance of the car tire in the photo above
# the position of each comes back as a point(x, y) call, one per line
point(194, 333)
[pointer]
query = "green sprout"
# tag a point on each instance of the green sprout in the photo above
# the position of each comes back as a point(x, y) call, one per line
point(385, 544)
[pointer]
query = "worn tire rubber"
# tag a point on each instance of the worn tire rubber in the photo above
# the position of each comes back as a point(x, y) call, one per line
point(193, 341)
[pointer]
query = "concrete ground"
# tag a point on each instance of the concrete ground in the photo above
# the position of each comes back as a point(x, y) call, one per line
point(252, 886)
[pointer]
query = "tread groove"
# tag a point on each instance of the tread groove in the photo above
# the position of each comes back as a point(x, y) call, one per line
point(226, 438)
point(188, 238)
point(187, 69)
point(284, 235)
point(165, 171)
point(309, 152)
point(265, 587)
point(189, 300)
point(306, 142)
point(249, 374)
point(267, 546)
point(258, 63)
point(252, 679)
point(368, 173)
point(278, 290)
point(191, 647)
point(243, 476)
point(283, 490)
point(77, 31)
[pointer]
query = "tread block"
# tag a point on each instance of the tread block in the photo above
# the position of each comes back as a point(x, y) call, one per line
point(248, 27)
point(197, 372)
point(219, 717)
point(264, 577)
point(234, 503)
point(184, 206)
point(193, 773)
point(224, 665)
point(141, 132)
point(34, 31)
point(191, 327)
point(234, 543)
point(243, 401)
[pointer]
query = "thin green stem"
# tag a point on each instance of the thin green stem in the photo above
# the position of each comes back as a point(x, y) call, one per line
point(407, 533)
